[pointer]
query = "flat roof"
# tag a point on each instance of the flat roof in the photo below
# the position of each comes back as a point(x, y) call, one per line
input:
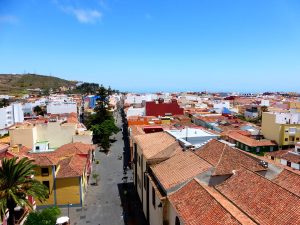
point(190, 132)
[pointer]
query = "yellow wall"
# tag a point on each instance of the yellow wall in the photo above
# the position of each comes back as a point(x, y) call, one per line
point(68, 191)
point(39, 177)
point(269, 128)
point(287, 135)
point(294, 105)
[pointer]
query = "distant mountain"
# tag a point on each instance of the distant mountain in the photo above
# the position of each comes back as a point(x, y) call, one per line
point(18, 84)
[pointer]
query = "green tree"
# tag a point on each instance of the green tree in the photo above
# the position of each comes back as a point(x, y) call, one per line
point(103, 131)
point(38, 110)
point(102, 121)
point(16, 184)
point(87, 88)
point(47, 216)
point(4, 102)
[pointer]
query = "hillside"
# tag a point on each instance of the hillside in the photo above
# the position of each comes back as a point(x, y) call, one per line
point(17, 84)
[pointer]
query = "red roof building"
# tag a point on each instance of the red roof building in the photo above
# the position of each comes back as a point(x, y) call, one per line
point(160, 108)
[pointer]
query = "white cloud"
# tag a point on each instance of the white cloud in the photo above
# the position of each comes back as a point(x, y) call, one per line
point(85, 15)
point(8, 19)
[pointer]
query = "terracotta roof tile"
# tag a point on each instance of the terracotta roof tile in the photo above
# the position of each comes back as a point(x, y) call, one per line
point(226, 159)
point(285, 154)
point(236, 212)
point(154, 143)
point(195, 206)
point(292, 157)
point(249, 141)
point(73, 166)
point(277, 154)
point(289, 180)
point(179, 168)
point(211, 152)
point(264, 201)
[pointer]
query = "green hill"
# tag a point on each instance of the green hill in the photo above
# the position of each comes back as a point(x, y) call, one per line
point(18, 84)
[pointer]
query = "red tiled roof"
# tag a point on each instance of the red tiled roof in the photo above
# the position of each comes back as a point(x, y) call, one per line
point(179, 168)
point(74, 148)
point(154, 143)
point(264, 201)
point(277, 154)
point(195, 206)
point(73, 166)
point(226, 159)
point(160, 109)
point(289, 180)
point(249, 141)
point(289, 156)
point(211, 152)
point(285, 154)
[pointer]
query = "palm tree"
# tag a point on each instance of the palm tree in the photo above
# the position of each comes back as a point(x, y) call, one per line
point(16, 184)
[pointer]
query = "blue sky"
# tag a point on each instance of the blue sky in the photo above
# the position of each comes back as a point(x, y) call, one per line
point(156, 45)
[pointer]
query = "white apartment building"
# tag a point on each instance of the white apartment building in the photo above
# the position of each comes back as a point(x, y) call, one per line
point(9, 116)
point(61, 107)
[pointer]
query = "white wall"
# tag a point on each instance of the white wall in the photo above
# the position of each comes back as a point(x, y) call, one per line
point(18, 113)
point(61, 107)
point(10, 115)
point(155, 214)
point(283, 118)
point(135, 112)
point(172, 214)
point(295, 166)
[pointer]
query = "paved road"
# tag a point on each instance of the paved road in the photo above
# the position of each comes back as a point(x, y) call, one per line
point(103, 205)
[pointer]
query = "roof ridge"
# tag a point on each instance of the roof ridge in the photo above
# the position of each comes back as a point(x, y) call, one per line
point(257, 174)
point(199, 182)
point(221, 156)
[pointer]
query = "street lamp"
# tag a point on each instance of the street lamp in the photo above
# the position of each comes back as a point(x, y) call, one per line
point(69, 204)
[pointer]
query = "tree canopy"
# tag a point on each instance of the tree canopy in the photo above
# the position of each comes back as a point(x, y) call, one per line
point(102, 122)
point(47, 216)
point(16, 184)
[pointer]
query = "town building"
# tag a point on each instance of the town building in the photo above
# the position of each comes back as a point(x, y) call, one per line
point(57, 130)
point(283, 128)
point(65, 170)
point(162, 108)
point(213, 184)
point(9, 116)
point(244, 141)
point(289, 157)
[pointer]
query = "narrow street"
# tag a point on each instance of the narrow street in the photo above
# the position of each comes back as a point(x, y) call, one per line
point(103, 204)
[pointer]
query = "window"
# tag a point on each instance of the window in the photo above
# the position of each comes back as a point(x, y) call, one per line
point(292, 138)
point(47, 184)
point(153, 197)
point(272, 157)
point(288, 163)
point(145, 180)
point(297, 139)
point(286, 139)
point(177, 221)
point(37, 147)
point(45, 172)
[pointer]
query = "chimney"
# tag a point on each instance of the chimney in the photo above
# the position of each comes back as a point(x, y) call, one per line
point(16, 148)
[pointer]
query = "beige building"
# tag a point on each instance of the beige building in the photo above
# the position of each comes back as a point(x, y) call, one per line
point(56, 132)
